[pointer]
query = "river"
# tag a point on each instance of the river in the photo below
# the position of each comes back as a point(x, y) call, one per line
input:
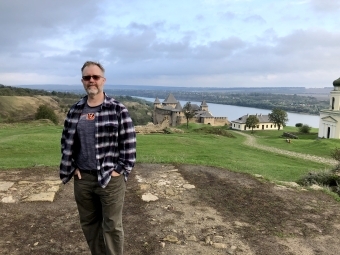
point(233, 112)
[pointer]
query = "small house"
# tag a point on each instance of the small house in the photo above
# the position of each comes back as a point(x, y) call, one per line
point(264, 123)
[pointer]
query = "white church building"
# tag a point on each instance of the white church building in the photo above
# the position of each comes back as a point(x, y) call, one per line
point(329, 126)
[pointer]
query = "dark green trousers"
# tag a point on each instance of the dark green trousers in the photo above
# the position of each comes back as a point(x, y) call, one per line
point(100, 213)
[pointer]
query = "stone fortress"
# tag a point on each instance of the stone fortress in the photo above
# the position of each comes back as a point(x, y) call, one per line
point(170, 110)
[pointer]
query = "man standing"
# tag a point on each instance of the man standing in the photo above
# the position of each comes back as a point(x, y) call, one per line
point(98, 147)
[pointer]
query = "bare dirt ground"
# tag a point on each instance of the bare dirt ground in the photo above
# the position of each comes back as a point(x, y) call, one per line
point(200, 210)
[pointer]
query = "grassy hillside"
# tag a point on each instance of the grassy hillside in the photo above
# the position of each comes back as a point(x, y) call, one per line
point(37, 143)
point(305, 143)
point(18, 104)
point(23, 108)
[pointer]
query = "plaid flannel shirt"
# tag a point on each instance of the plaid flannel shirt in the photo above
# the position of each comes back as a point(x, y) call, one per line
point(115, 141)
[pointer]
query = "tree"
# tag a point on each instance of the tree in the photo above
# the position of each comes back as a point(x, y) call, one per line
point(188, 112)
point(46, 112)
point(252, 121)
point(305, 129)
point(279, 117)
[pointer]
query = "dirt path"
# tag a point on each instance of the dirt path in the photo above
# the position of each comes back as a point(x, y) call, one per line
point(196, 210)
point(251, 141)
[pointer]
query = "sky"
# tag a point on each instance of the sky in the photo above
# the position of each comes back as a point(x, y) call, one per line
point(179, 43)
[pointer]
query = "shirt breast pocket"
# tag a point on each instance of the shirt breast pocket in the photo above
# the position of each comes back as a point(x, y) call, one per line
point(111, 132)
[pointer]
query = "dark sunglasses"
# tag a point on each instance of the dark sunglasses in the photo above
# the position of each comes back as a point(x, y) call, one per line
point(95, 77)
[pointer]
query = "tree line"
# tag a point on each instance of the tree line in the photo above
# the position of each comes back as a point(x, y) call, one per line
point(15, 91)
point(287, 102)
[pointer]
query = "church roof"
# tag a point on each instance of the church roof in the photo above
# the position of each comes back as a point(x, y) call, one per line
point(157, 101)
point(329, 118)
point(336, 83)
point(170, 99)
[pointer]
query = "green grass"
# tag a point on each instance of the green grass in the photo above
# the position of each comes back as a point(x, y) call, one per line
point(307, 143)
point(27, 145)
point(220, 151)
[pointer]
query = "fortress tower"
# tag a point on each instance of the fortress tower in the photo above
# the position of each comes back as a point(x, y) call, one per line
point(204, 106)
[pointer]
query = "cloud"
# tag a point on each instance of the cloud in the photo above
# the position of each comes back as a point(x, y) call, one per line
point(224, 2)
point(254, 19)
point(139, 56)
point(43, 32)
point(210, 45)
point(325, 5)
point(199, 17)
point(37, 20)
point(228, 15)
point(303, 55)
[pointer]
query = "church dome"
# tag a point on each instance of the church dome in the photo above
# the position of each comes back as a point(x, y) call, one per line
point(336, 83)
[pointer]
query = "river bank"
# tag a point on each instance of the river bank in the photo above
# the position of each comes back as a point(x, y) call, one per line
point(233, 112)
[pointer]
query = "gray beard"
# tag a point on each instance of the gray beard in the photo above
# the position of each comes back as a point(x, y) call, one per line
point(92, 92)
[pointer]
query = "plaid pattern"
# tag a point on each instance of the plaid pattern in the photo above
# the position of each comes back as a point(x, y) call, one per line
point(115, 141)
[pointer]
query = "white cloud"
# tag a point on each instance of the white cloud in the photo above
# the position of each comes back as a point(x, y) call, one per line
point(326, 5)
point(255, 18)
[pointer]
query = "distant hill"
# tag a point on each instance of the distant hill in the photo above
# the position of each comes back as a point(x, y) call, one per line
point(130, 89)
point(292, 99)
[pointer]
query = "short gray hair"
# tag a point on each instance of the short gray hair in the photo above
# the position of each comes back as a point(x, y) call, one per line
point(92, 63)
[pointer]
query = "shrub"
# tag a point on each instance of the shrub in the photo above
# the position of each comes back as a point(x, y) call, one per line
point(305, 129)
point(298, 125)
point(215, 130)
point(335, 154)
point(320, 178)
point(46, 112)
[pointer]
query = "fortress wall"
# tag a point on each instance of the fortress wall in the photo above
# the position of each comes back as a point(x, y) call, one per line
point(221, 121)
point(181, 120)
point(218, 121)
point(208, 121)
point(160, 115)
